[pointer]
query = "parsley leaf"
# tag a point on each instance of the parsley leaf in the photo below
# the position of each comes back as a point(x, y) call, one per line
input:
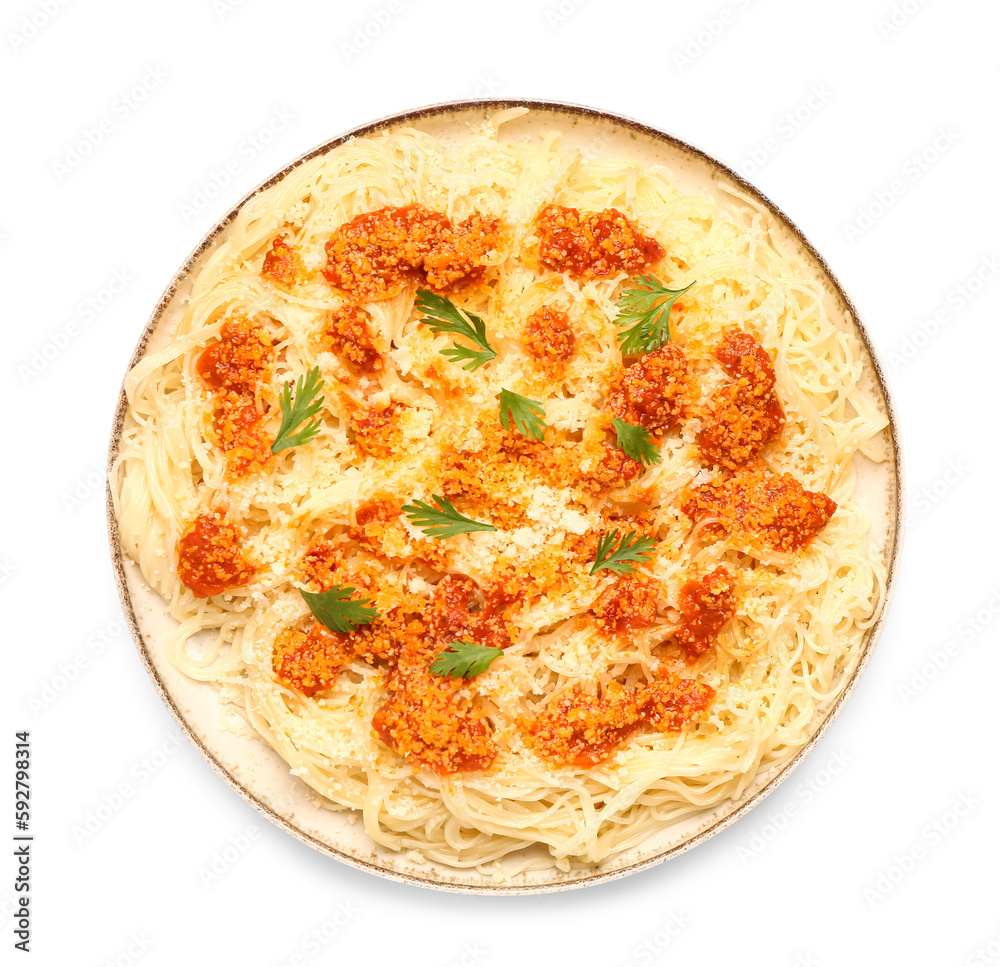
point(338, 610)
point(528, 415)
point(643, 307)
point(305, 407)
point(623, 559)
point(447, 317)
point(443, 520)
point(636, 442)
point(463, 659)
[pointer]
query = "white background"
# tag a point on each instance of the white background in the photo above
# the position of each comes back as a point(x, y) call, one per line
point(871, 123)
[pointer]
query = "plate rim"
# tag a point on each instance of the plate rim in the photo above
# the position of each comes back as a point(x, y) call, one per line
point(895, 534)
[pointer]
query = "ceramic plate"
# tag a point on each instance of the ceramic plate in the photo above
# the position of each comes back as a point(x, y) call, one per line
point(255, 771)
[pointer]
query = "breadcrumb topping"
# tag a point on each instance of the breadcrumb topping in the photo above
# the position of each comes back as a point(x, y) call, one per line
point(492, 477)
point(580, 728)
point(380, 529)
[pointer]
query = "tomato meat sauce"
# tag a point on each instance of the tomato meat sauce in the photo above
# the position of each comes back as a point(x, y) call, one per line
point(376, 254)
point(210, 559)
point(282, 264)
point(310, 662)
point(377, 431)
point(653, 392)
point(705, 604)
point(629, 604)
point(593, 244)
point(549, 339)
point(671, 703)
point(581, 729)
point(745, 415)
point(430, 719)
point(349, 333)
point(758, 509)
point(236, 369)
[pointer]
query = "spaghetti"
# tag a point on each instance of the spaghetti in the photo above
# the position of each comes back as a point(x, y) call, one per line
point(621, 702)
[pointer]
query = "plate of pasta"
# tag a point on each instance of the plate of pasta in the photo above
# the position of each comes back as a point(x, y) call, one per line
point(504, 497)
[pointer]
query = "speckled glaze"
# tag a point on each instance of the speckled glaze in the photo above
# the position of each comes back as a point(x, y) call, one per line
point(257, 773)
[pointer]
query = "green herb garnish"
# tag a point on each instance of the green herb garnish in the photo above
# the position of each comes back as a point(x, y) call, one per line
point(463, 659)
point(636, 442)
point(628, 553)
point(338, 610)
point(305, 407)
point(646, 308)
point(443, 520)
point(528, 415)
point(447, 317)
